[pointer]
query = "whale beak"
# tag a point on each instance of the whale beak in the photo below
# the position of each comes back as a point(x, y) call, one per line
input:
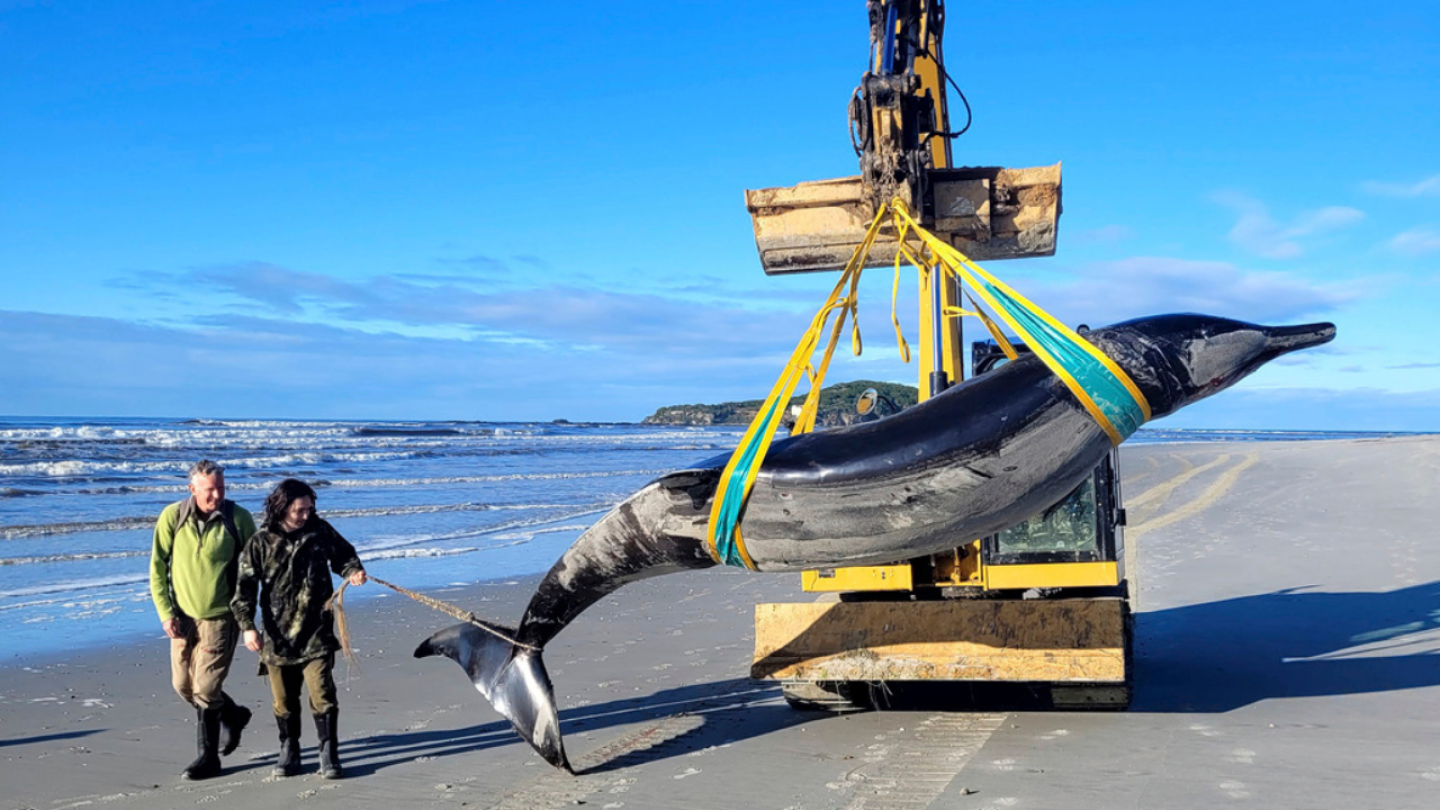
point(1282, 339)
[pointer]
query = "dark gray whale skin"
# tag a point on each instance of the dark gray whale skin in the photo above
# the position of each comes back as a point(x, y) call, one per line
point(980, 457)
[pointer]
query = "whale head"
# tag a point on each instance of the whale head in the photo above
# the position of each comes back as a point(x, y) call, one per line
point(1176, 360)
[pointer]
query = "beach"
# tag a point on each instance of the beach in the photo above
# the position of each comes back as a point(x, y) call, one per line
point(1287, 599)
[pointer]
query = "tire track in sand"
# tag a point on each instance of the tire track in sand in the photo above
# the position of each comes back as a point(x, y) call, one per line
point(914, 769)
point(1199, 504)
point(557, 789)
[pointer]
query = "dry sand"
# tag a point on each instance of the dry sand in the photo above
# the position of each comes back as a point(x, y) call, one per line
point(1289, 598)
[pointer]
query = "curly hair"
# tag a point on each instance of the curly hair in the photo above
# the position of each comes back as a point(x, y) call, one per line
point(277, 503)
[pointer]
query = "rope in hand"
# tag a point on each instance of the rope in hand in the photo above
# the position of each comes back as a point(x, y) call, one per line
point(342, 628)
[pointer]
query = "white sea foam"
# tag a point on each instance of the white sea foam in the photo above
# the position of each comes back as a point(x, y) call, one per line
point(404, 553)
point(73, 557)
point(370, 483)
point(77, 585)
point(482, 479)
point(41, 530)
point(137, 595)
point(75, 469)
point(146, 522)
point(386, 543)
point(548, 530)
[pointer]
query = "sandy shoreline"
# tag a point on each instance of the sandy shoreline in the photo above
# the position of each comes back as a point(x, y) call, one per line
point(1286, 638)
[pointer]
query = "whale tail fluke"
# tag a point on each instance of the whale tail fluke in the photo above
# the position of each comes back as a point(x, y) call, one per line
point(512, 678)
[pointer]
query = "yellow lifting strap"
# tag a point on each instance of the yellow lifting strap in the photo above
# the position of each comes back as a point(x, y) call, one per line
point(725, 541)
point(1104, 389)
point(1101, 386)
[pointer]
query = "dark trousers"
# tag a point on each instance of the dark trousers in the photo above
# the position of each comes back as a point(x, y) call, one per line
point(319, 682)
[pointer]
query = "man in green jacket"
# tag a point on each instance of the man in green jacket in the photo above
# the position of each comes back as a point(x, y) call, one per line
point(193, 565)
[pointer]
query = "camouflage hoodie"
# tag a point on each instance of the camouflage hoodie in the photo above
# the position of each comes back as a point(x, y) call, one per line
point(294, 569)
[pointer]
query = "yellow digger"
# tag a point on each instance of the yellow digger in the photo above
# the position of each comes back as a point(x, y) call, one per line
point(1044, 603)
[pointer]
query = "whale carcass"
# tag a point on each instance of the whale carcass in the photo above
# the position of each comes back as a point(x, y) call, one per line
point(975, 459)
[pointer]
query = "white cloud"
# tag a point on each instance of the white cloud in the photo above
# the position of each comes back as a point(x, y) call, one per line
point(1416, 241)
point(1367, 409)
point(1259, 233)
point(1429, 187)
point(1107, 292)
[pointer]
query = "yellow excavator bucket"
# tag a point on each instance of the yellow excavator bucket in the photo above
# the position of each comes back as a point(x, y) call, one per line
point(986, 213)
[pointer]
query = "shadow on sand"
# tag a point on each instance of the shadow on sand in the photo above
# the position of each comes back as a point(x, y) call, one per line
point(720, 712)
point(1211, 657)
point(42, 738)
point(1219, 656)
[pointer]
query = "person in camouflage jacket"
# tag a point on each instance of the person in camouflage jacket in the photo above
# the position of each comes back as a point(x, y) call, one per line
point(286, 568)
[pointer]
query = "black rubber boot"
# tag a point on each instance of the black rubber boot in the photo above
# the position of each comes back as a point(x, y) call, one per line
point(288, 763)
point(325, 726)
point(207, 738)
point(233, 719)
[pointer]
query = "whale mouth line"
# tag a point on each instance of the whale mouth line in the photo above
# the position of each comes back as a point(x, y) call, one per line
point(1292, 338)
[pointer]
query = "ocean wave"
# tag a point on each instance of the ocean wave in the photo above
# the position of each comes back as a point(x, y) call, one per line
point(16, 492)
point(547, 530)
point(385, 544)
point(74, 556)
point(139, 595)
point(45, 529)
point(92, 469)
point(403, 432)
point(357, 483)
point(60, 433)
point(480, 479)
point(407, 553)
point(77, 585)
point(422, 509)
point(147, 522)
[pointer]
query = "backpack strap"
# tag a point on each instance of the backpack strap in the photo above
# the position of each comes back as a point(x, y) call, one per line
point(232, 568)
point(182, 515)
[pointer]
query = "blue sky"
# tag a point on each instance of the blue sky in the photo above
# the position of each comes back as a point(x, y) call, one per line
point(486, 210)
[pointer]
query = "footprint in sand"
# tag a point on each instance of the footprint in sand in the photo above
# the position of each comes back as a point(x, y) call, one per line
point(1235, 789)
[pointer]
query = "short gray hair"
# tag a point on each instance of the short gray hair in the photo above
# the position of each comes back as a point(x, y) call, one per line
point(205, 467)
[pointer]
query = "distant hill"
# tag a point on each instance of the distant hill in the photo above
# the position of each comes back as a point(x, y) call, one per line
point(837, 406)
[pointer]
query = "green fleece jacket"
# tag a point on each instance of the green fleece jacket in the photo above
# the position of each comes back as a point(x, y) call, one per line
point(193, 564)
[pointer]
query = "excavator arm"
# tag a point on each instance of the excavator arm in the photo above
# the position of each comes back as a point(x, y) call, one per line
point(899, 123)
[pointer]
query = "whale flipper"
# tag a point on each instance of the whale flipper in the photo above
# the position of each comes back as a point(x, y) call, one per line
point(512, 678)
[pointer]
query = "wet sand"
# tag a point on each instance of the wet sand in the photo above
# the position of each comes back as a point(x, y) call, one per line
point(1288, 625)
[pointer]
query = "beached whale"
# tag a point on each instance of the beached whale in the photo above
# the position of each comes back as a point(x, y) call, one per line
point(980, 457)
